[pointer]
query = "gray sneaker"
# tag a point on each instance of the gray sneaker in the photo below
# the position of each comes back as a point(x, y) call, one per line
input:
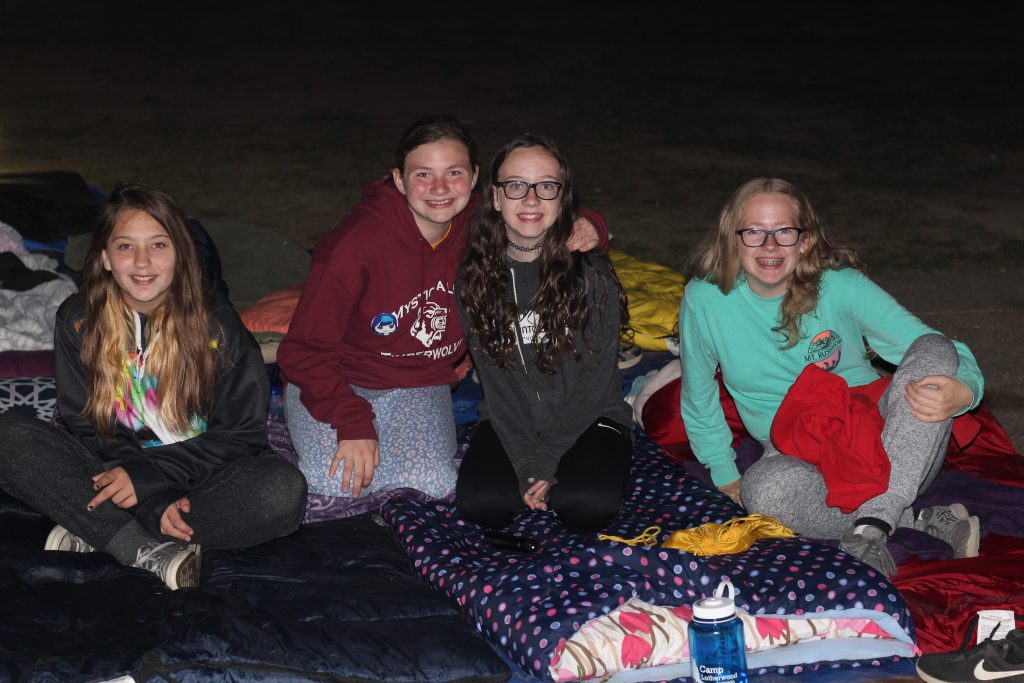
point(953, 525)
point(175, 563)
point(62, 539)
point(869, 547)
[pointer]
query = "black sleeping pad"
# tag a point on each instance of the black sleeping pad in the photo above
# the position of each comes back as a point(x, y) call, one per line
point(336, 601)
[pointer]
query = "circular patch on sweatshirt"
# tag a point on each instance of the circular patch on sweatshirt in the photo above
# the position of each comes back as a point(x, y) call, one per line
point(384, 324)
point(825, 350)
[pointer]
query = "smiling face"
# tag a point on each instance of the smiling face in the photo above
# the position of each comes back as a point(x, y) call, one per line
point(769, 267)
point(140, 256)
point(529, 218)
point(437, 181)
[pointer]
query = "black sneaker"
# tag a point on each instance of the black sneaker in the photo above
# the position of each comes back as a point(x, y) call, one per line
point(992, 660)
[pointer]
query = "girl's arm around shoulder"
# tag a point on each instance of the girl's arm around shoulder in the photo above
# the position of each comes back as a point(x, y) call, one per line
point(590, 231)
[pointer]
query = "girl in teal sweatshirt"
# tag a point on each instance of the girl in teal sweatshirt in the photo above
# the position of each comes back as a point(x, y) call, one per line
point(771, 293)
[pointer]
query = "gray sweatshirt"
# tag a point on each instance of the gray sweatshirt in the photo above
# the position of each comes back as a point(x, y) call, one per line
point(538, 416)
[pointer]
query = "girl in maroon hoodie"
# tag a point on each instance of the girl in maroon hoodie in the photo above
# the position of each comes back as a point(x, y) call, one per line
point(370, 357)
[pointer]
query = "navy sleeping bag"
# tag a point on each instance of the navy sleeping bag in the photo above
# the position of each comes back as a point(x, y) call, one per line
point(336, 601)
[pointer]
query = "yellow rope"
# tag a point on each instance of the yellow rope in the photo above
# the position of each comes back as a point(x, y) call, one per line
point(731, 537)
point(648, 537)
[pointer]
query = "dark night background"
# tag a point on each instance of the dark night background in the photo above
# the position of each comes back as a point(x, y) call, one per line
point(901, 122)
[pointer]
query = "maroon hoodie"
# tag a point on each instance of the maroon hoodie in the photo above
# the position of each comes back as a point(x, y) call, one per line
point(377, 311)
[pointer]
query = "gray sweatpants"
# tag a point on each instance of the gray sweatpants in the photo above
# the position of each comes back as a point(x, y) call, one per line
point(246, 502)
point(793, 491)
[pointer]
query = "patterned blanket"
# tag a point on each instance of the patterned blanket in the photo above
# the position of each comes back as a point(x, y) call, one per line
point(542, 609)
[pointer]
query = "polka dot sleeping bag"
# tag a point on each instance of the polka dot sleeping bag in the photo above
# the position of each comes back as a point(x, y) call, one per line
point(806, 602)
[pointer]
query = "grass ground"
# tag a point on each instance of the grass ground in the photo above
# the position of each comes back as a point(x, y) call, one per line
point(902, 126)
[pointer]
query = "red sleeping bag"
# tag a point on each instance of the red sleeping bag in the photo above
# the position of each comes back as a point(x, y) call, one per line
point(944, 596)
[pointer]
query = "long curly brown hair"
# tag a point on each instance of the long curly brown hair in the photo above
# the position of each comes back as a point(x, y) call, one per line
point(717, 259)
point(183, 361)
point(561, 300)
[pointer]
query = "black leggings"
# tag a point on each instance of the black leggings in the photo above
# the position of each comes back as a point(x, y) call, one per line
point(592, 478)
point(246, 502)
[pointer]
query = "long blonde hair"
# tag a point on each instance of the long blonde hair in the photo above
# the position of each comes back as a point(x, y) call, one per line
point(717, 260)
point(183, 361)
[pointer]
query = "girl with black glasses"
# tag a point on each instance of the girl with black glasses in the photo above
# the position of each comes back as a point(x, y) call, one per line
point(544, 326)
point(782, 309)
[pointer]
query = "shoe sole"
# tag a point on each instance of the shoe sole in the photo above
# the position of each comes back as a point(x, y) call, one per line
point(971, 547)
point(928, 678)
point(974, 535)
point(973, 538)
point(185, 574)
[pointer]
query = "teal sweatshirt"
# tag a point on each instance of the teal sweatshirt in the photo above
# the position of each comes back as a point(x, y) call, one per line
point(734, 331)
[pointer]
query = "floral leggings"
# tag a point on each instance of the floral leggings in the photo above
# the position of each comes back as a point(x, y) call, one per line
point(415, 430)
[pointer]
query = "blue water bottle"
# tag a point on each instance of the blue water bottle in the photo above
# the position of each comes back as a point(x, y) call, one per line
point(717, 652)
point(276, 406)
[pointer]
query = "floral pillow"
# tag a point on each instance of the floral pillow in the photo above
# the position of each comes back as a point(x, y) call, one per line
point(639, 634)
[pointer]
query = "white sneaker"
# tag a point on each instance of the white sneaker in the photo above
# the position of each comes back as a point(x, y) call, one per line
point(175, 563)
point(62, 539)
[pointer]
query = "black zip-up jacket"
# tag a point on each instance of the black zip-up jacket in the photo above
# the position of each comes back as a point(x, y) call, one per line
point(538, 416)
point(236, 424)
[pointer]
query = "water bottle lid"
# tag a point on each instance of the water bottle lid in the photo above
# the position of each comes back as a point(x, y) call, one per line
point(719, 606)
point(714, 608)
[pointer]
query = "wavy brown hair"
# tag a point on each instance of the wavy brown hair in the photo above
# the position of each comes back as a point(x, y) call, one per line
point(561, 300)
point(717, 256)
point(183, 361)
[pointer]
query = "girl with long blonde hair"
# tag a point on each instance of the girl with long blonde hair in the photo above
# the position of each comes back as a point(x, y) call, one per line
point(164, 395)
point(773, 297)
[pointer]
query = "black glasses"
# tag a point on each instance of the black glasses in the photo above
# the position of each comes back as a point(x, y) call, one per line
point(517, 189)
point(756, 237)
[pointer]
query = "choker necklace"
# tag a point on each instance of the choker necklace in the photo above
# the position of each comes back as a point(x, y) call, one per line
point(525, 250)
